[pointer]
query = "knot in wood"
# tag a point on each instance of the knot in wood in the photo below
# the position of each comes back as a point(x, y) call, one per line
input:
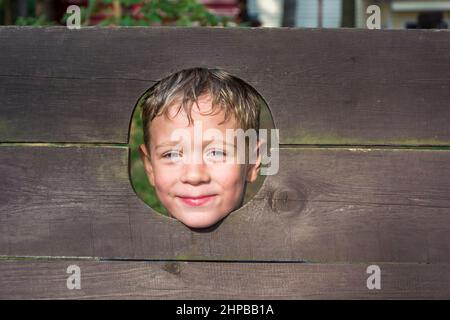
point(288, 200)
point(172, 267)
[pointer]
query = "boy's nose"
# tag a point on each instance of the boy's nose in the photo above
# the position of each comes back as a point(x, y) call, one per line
point(195, 174)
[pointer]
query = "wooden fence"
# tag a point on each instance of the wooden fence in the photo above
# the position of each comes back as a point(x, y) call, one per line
point(364, 179)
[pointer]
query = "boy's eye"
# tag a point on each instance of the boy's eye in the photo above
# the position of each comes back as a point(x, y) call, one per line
point(172, 155)
point(216, 154)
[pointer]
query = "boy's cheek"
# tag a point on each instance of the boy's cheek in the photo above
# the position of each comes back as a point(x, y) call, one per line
point(163, 179)
point(229, 175)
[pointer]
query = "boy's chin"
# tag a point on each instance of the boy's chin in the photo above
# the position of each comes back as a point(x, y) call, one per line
point(199, 221)
point(200, 224)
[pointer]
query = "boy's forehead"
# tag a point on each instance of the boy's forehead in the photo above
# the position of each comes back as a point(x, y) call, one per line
point(165, 125)
point(204, 105)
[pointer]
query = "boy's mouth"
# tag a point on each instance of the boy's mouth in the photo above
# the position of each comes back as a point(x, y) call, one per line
point(197, 201)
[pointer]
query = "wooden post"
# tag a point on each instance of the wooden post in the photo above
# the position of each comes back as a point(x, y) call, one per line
point(7, 17)
point(289, 13)
point(22, 8)
point(348, 14)
point(319, 13)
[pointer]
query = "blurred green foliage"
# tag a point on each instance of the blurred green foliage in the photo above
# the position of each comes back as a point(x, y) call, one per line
point(34, 21)
point(138, 177)
point(150, 13)
point(161, 12)
point(135, 13)
point(8, 12)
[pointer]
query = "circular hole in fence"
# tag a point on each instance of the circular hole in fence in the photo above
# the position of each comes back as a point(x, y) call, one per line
point(167, 178)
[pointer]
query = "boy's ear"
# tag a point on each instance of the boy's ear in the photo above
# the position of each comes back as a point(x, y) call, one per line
point(253, 169)
point(145, 157)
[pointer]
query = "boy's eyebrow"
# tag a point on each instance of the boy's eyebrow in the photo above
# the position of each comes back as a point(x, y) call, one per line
point(205, 142)
point(168, 143)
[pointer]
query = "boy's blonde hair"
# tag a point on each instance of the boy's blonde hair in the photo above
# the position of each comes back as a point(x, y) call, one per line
point(228, 93)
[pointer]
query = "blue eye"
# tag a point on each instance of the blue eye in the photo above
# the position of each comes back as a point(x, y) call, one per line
point(217, 154)
point(172, 155)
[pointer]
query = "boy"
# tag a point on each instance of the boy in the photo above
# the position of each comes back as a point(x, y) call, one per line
point(200, 180)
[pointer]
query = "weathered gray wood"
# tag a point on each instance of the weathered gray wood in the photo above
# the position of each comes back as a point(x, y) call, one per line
point(324, 205)
point(66, 110)
point(323, 86)
point(202, 280)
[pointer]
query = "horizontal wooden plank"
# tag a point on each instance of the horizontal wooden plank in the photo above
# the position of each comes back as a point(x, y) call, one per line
point(67, 110)
point(323, 205)
point(203, 280)
point(346, 86)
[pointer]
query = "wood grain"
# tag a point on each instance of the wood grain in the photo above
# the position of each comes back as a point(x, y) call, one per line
point(206, 280)
point(325, 205)
point(347, 86)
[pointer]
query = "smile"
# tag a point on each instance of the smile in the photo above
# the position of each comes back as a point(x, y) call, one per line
point(197, 201)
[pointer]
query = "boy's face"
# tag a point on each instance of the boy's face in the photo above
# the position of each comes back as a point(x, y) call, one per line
point(198, 187)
